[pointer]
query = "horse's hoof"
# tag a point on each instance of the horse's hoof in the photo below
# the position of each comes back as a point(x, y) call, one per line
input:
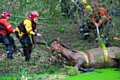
point(91, 69)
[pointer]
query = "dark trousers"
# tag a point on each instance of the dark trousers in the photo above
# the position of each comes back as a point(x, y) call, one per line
point(85, 32)
point(8, 41)
point(27, 46)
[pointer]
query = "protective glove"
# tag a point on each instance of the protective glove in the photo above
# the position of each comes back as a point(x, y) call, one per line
point(96, 25)
point(38, 34)
point(14, 31)
point(36, 30)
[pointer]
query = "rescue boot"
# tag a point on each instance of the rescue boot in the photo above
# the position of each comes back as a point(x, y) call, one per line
point(88, 38)
point(87, 69)
point(10, 57)
point(27, 57)
point(14, 49)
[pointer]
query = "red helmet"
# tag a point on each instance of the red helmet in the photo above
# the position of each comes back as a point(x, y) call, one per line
point(5, 14)
point(95, 3)
point(34, 14)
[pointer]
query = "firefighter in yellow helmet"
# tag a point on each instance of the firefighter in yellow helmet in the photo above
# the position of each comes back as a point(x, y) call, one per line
point(84, 12)
point(79, 6)
point(27, 27)
point(86, 23)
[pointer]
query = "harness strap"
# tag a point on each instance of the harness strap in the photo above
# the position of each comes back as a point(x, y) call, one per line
point(105, 52)
point(106, 56)
point(86, 57)
point(116, 38)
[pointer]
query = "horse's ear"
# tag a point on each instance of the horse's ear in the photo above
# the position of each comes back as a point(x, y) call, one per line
point(58, 39)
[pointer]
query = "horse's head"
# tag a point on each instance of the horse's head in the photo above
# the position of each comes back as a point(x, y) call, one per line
point(55, 46)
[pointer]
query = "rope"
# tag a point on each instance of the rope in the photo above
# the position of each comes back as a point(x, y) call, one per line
point(44, 42)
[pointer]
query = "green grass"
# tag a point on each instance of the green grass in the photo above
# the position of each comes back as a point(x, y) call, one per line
point(98, 74)
point(7, 78)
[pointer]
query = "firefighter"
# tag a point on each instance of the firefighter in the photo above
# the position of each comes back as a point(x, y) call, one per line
point(86, 24)
point(5, 30)
point(84, 12)
point(27, 27)
point(101, 19)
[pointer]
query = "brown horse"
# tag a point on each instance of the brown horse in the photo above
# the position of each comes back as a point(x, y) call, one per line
point(86, 60)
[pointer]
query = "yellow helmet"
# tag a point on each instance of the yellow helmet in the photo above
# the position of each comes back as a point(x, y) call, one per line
point(84, 1)
point(89, 7)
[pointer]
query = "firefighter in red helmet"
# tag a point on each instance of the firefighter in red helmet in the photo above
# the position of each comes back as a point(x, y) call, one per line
point(5, 30)
point(101, 17)
point(27, 27)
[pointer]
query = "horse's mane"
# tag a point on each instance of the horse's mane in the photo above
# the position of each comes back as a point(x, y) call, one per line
point(59, 42)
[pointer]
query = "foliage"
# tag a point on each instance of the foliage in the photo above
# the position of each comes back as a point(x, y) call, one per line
point(48, 42)
point(70, 71)
point(20, 9)
point(27, 69)
point(61, 30)
point(118, 55)
point(8, 78)
point(35, 50)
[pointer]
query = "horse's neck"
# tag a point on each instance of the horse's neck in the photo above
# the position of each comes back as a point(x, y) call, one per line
point(66, 51)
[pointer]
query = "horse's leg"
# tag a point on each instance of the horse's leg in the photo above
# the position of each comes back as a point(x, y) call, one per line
point(58, 59)
point(79, 64)
point(86, 69)
point(61, 60)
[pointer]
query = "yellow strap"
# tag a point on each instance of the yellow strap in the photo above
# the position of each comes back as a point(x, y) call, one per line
point(89, 7)
point(105, 52)
point(87, 64)
point(84, 1)
point(116, 38)
point(86, 34)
